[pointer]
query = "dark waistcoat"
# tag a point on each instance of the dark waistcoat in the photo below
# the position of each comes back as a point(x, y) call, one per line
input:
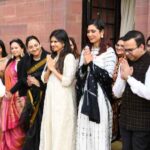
point(135, 111)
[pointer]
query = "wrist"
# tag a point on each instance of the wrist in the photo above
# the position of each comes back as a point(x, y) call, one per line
point(128, 77)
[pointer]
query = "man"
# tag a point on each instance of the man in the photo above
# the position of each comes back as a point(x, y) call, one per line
point(133, 85)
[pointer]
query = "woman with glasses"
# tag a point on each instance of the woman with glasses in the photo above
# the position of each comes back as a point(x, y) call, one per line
point(120, 51)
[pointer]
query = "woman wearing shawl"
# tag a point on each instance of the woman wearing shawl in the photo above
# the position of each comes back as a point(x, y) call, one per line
point(94, 81)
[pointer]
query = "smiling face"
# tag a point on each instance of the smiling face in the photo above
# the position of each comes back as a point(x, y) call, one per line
point(56, 45)
point(94, 35)
point(120, 48)
point(34, 48)
point(16, 50)
point(133, 52)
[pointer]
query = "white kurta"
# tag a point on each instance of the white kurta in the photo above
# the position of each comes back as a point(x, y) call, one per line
point(91, 135)
point(59, 115)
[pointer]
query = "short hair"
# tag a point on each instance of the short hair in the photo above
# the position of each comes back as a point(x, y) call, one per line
point(137, 36)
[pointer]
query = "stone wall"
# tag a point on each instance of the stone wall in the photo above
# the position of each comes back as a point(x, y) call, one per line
point(20, 18)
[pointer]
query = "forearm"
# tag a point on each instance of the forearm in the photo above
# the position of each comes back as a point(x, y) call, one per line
point(46, 75)
point(57, 74)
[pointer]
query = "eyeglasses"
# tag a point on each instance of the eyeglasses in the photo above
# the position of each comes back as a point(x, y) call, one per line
point(130, 50)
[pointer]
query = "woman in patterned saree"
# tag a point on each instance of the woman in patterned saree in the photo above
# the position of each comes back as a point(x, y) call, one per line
point(30, 84)
point(94, 81)
point(12, 134)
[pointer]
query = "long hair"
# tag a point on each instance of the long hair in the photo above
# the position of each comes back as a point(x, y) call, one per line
point(99, 24)
point(62, 37)
point(2, 45)
point(75, 50)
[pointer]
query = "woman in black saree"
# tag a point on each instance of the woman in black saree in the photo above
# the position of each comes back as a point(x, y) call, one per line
point(30, 84)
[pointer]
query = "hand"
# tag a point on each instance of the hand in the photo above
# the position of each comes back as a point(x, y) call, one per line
point(125, 69)
point(87, 55)
point(50, 63)
point(8, 94)
point(32, 81)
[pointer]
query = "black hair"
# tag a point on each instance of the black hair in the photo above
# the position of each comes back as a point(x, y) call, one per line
point(61, 36)
point(2, 45)
point(136, 35)
point(147, 40)
point(100, 25)
point(75, 50)
point(21, 44)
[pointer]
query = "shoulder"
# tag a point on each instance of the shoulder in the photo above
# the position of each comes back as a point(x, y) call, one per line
point(69, 56)
point(110, 52)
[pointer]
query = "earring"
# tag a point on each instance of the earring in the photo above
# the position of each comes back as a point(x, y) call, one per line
point(22, 54)
point(102, 36)
point(12, 56)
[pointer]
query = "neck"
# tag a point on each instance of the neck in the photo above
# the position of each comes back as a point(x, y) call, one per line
point(38, 57)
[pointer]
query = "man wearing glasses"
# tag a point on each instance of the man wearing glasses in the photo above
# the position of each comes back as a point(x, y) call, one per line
point(133, 85)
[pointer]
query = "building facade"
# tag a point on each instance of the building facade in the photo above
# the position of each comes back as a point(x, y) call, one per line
point(20, 18)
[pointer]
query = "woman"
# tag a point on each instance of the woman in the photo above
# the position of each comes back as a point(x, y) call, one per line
point(119, 47)
point(94, 79)
point(30, 84)
point(59, 115)
point(12, 134)
point(3, 58)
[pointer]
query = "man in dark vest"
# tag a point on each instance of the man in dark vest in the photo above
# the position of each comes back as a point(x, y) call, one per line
point(133, 85)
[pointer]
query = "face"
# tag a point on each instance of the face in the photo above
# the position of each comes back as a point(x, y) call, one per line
point(133, 52)
point(120, 48)
point(34, 48)
point(148, 46)
point(16, 50)
point(94, 34)
point(56, 45)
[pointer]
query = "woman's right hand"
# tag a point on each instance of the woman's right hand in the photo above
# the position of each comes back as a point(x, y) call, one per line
point(87, 55)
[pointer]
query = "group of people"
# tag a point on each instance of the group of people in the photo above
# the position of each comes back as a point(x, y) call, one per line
point(63, 100)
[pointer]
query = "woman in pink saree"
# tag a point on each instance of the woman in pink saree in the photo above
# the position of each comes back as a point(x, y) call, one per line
point(12, 105)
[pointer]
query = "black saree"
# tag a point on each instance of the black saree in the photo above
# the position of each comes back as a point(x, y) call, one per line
point(32, 114)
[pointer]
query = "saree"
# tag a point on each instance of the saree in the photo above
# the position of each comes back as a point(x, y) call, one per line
point(33, 110)
point(12, 135)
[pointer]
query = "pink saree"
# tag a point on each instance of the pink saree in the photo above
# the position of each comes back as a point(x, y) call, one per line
point(12, 135)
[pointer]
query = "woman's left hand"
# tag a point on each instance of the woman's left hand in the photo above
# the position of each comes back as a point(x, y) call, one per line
point(33, 81)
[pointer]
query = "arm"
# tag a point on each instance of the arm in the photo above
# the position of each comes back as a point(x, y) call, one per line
point(69, 70)
point(110, 61)
point(139, 88)
point(119, 86)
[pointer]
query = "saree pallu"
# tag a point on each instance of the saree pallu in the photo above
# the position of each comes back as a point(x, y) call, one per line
point(32, 113)
point(12, 135)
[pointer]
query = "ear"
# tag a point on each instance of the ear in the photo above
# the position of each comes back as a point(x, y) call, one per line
point(142, 46)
